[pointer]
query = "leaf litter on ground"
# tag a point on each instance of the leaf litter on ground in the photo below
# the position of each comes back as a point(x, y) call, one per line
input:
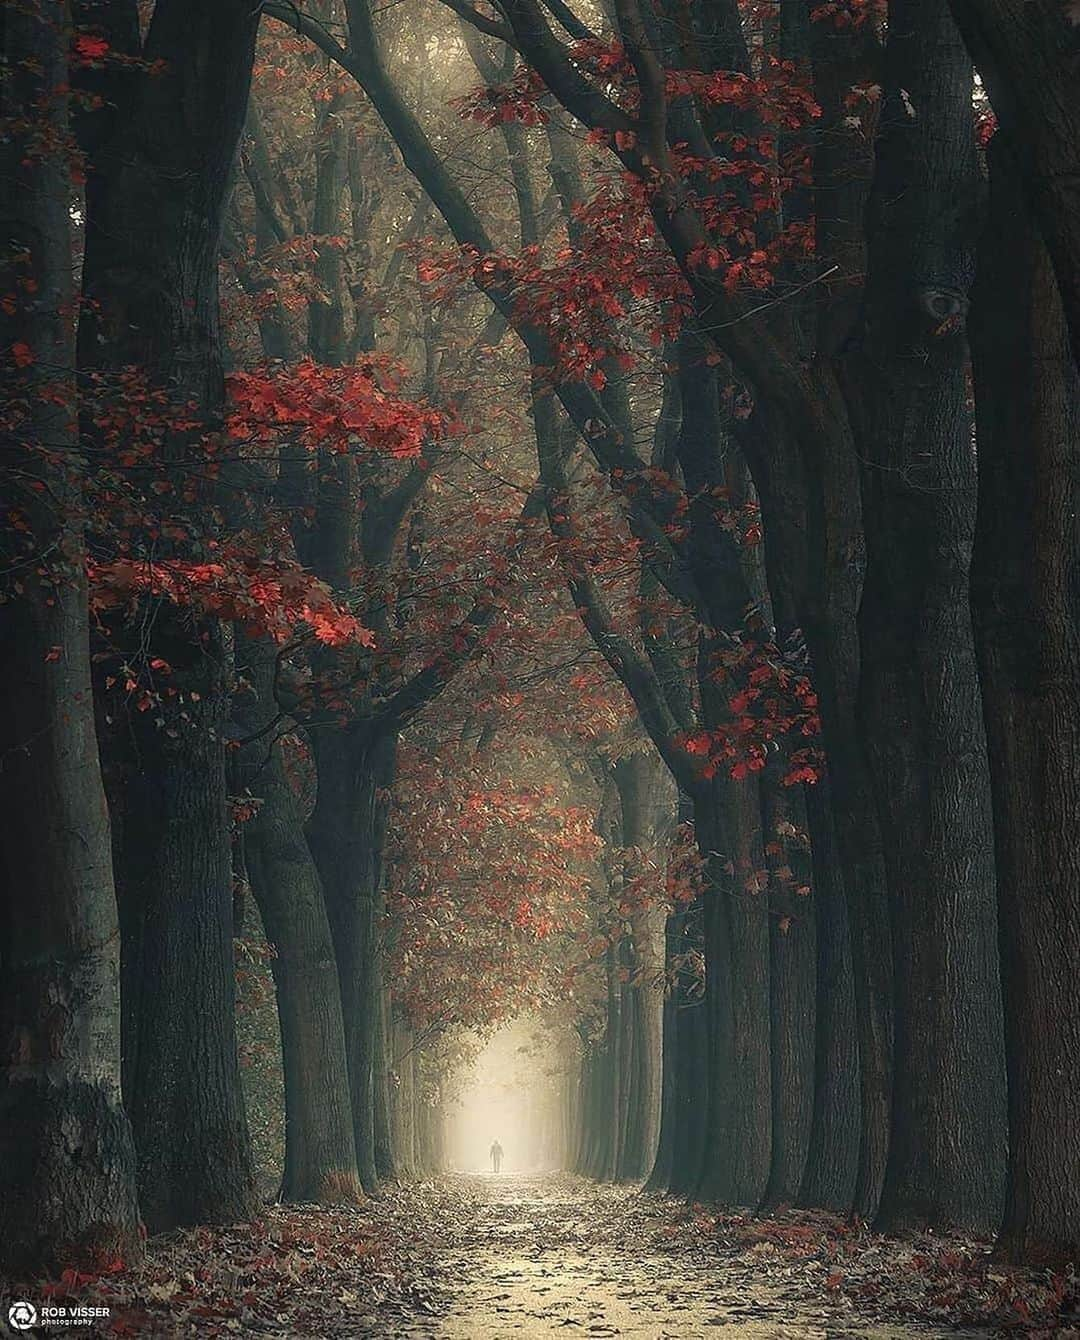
point(489, 1257)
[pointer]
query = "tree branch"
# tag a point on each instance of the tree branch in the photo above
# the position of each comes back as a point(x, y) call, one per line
point(549, 58)
point(579, 31)
point(632, 668)
point(426, 685)
point(652, 130)
point(484, 25)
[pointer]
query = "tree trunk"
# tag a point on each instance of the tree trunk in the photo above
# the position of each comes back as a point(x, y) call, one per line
point(828, 610)
point(739, 1122)
point(346, 834)
point(1025, 588)
point(659, 1178)
point(1026, 55)
point(385, 1168)
point(918, 697)
point(646, 814)
point(832, 1160)
point(67, 1162)
point(693, 1078)
point(320, 1159)
point(792, 981)
point(155, 195)
point(832, 1156)
point(185, 1101)
point(611, 1059)
point(814, 557)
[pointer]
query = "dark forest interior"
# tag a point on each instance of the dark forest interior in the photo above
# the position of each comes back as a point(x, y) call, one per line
point(539, 667)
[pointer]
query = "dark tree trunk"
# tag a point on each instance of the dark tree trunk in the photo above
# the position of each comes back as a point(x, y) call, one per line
point(793, 983)
point(727, 821)
point(405, 1101)
point(155, 196)
point(1027, 57)
point(185, 1100)
point(814, 557)
point(385, 1168)
point(1026, 596)
point(918, 697)
point(660, 1177)
point(735, 1170)
point(67, 1162)
point(692, 1079)
point(326, 314)
point(832, 1160)
point(646, 814)
point(828, 610)
point(832, 1157)
point(320, 1159)
point(610, 1122)
point(346, 833)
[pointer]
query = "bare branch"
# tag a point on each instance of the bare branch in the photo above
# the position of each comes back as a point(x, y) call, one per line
point(482, 24)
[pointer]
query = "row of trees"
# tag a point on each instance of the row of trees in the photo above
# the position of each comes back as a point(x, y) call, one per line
point(239, 560)
point(757, 261)
point(803, 215)
point(249, 577)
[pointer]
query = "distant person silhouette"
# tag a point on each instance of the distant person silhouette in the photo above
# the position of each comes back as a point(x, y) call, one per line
point(496, 1156)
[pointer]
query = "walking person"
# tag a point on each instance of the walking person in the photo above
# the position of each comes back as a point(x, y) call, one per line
point(496, 1156)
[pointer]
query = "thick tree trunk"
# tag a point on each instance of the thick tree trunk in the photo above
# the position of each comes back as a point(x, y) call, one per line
point(793, 983)
point(828, 611)
point(320, 1159)
point(155, 196)
point(1026, 596)
point(385, 1168)
point(646, 813)
point(1026, 55)
point(832, 1160)
point(67, 1162)
point(185, 1100)
point(832, 1157)
point(736, 1162)
point(727, 821)
point(610, 1122)
point(814, 557)
point(405, 1101)
point(918, 698)
point(692, 1079)
point(346, 834)
point(659, 1178)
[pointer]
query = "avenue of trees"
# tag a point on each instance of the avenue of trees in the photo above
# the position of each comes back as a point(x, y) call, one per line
point(524, 510)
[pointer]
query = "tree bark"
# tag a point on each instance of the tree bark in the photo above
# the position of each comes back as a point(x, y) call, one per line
point(1029, 56)
point(737, 1153)
point(832, 1160)
point(660, 1175)
point(346, 834)
point(385, 1167)
point(832, 1157)
point(1025, 587)
point(646, 806)
point(155, 195)
point(67, 1161)
point(918, 695)
point(320, 1158)
point(793, 983)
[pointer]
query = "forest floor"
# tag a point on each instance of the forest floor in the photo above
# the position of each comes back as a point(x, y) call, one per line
point(493, 1257)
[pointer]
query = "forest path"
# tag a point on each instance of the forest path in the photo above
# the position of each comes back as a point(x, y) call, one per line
point(558, 1256)
point(501, 1258)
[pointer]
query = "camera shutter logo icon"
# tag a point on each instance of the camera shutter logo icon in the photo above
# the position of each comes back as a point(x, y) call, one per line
point(22, 1316)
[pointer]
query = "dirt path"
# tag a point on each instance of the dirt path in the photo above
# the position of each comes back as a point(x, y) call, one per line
point(501, 1258)
point(562, 1257)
